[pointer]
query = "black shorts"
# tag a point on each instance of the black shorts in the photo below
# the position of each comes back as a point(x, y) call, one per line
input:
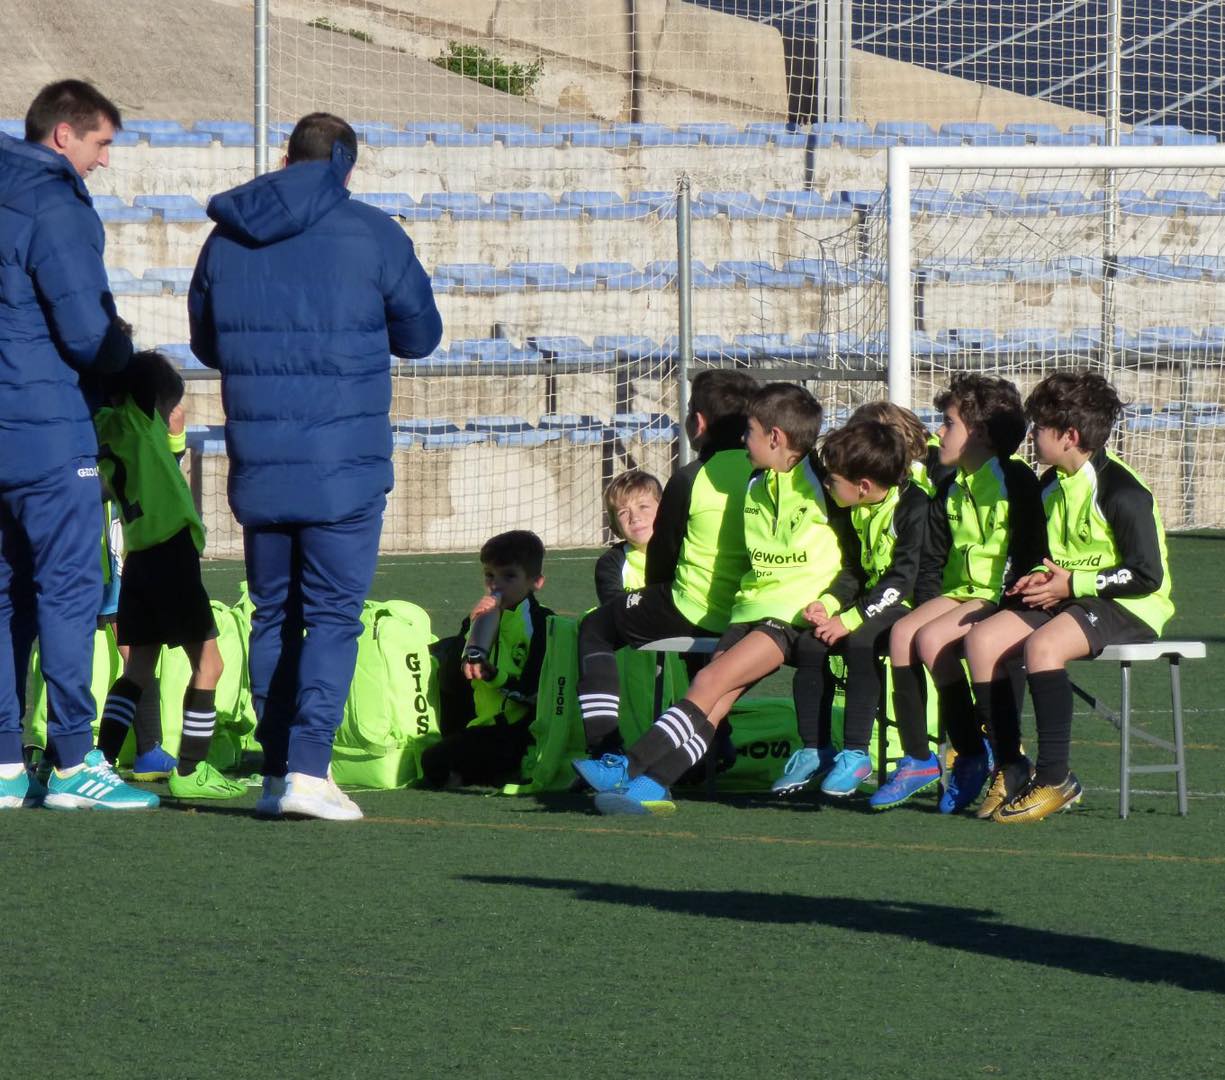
point(648, 615)
point(161, 596)
point(799, 646)
point(1104, 622)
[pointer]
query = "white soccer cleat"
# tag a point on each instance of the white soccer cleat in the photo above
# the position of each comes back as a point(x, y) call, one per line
point(317, 797)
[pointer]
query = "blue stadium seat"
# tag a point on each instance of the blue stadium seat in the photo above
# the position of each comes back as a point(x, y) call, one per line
point(610, 138)
point(492, 351)
point(656, 135)
point(569, 353)
point(533, 205)
point(400, 204)
point(1032, 132)
point(969, 338)
point(628, 347)
point(762, 275)
point(477, 277)
point(434, 127)
point(709, 349)
point(568, 128)
point(1096, 132)
point(111, 208)
point(825, 272)
point(1136, 138)
point(932, 201)
point(723, 134)
point(569, 422)
point(1042, 339)
point(647, 427)
point(863, 198)
point(1210, 267)
point(867, 142)
point(181, 356)
point(464, 206)
point(519, 134)
point(125, 283)
point(1002, 139)
point(1165, 134)
point(1000, 200)
point(550, 276)
point(737, 205)
point(907, 130)
point(1069, 138)
point(148, 127)
point(785, 134)
point(230, 132)
point(492, 424)
point(172, 207)
point(176, 279)
point(462, 138)
point(839, 128)
point(589, 199)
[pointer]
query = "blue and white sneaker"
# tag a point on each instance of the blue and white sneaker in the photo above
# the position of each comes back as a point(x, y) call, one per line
point(964, 782)
point(608, 773)
point(641, 796)
point(21, 790)
point(911, 776)
point(804, 766)
point(269, 803)
point(94, 785)
point(153, 764)
point(851, 768)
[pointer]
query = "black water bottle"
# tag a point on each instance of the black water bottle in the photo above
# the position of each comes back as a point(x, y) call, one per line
point(482, 634)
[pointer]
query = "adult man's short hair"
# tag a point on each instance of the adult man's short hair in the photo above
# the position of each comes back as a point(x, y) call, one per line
point(312, 138)
point(73, 102)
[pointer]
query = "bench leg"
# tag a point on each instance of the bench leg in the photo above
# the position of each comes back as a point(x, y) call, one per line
point(1125, 739)
point(1180, 759)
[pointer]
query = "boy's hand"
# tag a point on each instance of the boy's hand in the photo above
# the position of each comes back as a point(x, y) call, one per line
point(1049, 588)
point(816, 614)
point(1026, 581)
point(482, 671)
point(484, 604)
point(176, 422)
point(831, 631)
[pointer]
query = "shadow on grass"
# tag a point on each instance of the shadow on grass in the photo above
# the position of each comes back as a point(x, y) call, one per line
point(965, 929)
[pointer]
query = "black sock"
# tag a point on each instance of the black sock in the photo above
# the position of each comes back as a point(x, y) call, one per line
point(148, 721)
point(910, 711)
point(1052, 695)
point(199, 719)
point(957, 717)
point(862, 700)
point(995, 712)
point(676, 742)
point(117, 715)
point(812, 720)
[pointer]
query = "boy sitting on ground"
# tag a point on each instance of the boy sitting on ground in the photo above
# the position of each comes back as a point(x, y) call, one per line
point(1106, 582)
point(486, 732)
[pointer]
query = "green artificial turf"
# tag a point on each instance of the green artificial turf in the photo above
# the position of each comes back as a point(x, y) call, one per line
point(463, 934)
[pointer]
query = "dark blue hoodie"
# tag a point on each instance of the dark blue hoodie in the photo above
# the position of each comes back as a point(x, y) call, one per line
point(299, 296)
point(57, 316)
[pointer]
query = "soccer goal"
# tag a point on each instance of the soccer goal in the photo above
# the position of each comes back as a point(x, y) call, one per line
point(1023, 261)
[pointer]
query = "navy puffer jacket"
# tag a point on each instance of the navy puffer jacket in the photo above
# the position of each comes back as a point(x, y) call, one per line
point(299, 295)
point(57, 316)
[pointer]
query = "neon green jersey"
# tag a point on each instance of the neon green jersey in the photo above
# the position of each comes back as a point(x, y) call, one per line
point(135, 460)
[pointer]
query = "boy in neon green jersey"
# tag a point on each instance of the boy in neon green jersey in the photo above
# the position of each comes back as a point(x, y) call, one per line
point(1106, 582)
point(487, 731)
point(867, 470)
point(797, 570)
point(632, 501)
point(986, 528)
point(162, 600)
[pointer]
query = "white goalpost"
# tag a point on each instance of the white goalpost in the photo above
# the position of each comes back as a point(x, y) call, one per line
point(1026, 260)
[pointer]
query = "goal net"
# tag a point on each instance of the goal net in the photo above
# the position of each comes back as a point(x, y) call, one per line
point(1025, 261)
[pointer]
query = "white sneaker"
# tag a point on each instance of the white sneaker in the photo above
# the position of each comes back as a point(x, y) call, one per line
point(269, 802)
point(317, 797)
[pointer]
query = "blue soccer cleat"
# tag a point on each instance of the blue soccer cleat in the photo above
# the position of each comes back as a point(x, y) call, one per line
point(153, 764)
point(21, 790)
point(804, 766)
point(851, 768)
point(641, 796)
point(965, 781)
point(94, 785)
point(911, 776)
point(608, 773)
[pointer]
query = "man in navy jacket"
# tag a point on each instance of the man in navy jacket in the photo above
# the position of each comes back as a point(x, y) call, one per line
point(57, 325)
point(299, 295)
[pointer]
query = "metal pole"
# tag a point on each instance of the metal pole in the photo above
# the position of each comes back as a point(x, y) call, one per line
point(901, 286)
point(261, 87)
point(631, 11)
point(684, 301)
point(1110, 221)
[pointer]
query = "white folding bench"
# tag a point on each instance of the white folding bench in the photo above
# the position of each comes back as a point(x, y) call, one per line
point(684, 646)
point(1174, 652)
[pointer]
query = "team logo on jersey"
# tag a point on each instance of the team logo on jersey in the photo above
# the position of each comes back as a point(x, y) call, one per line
point(633, 600)
point(796, 518)
point(519, 654)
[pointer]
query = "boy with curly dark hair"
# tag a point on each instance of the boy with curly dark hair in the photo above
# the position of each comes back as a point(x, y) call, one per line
point(986, 528)
point(1106, 581)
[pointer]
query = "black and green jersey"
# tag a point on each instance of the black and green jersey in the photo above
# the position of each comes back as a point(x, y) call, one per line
point(985, 530)
point(1103, 525)
point(698, 542)
point(516, 658)
point(892, 534)
point(796, 553)
point(136, 462)
point(621, 568)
